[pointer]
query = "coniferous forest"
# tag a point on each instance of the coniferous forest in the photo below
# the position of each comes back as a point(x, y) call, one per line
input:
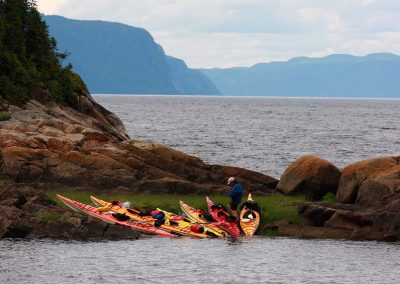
point(29, 60)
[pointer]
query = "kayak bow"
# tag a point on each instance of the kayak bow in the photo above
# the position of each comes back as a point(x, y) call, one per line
point(249, 218)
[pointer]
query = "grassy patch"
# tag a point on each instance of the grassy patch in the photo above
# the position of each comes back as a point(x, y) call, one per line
point(329, 198)
point(6, 181)
point(274, 207)
point(4, 116)
point(48, 216)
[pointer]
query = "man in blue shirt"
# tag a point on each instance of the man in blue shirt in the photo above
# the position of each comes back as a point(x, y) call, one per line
point(236, 194)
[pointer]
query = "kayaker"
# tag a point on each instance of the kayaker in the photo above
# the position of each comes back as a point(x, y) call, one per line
point(236, 195)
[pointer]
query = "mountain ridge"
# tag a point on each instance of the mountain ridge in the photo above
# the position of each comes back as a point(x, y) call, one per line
point(117, 58)
point(335, 75)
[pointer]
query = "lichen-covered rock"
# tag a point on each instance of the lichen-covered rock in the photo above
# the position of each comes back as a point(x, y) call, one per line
point(310, 175)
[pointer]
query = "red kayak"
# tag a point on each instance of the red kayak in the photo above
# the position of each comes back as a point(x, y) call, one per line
point(144, 227)
point(223, 218)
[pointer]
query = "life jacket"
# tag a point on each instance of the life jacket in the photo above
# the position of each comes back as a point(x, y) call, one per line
point(116, 202)
point(197, 228)
point(157, 214)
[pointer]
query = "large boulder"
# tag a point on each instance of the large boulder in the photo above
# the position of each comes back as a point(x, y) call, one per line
point(367, 174)
point(310, 175)
point(374, 190)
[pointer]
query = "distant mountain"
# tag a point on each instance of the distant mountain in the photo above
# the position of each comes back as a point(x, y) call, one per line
point(117, 58)
point(375, 75)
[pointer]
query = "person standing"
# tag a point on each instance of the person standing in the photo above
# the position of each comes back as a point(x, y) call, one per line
point(236, 195)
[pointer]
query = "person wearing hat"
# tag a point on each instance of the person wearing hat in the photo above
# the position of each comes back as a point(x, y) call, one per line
point(236, 195)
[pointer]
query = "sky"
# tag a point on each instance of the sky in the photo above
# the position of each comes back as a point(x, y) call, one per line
point(223, 33)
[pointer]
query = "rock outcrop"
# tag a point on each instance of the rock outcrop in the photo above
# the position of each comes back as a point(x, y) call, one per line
point(45, 143)
point(356, 175)
point(27, 213)
point(367, 207)
point(311, 176)
point(49, 146)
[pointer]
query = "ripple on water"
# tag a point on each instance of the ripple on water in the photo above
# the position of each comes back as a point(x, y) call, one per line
point(183, 260)
point(270, 132)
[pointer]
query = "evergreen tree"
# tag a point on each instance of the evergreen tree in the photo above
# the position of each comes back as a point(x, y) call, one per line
point(29, 57)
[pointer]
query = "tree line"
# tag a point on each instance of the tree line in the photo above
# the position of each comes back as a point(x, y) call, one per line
point(29, 59)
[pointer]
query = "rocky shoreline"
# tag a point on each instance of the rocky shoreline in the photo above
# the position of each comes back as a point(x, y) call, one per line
point(367, 199)
point(27, 213)
point(50, 147)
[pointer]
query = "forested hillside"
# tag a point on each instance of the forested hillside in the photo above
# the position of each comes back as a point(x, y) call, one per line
point(29, 60)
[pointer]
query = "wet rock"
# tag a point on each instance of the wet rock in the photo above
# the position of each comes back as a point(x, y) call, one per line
point(285, 228)
point(310, 175)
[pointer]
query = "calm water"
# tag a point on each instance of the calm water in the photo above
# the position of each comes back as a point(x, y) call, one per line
point(264, 134)
point(164, 260)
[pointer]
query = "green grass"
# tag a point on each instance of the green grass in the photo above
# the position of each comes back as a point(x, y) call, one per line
point(273, 207)
point(48, 216)
point(4, 116)
point(329, 198)
point(6, 181)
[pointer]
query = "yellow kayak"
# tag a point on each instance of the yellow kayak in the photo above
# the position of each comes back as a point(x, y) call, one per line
point(135, 215)
point(185, 222)
point(197, 215)
point(249, 218)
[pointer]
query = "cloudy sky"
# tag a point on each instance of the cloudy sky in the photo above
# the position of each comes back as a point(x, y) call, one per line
point(223, 33)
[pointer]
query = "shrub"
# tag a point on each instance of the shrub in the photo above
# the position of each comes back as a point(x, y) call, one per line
point(329, 198)
point(4, 116)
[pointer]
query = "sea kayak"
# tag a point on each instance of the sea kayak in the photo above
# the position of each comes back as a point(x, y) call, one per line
point(249, 218)
point(223, 218)
point(109, 218)
point(185, 222)
point(135, 215)
point(197, 215)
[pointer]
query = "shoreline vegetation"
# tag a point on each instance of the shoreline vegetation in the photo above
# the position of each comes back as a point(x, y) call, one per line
point(274, 207)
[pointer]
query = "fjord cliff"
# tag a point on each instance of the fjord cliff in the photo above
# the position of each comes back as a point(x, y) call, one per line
point(114, 58)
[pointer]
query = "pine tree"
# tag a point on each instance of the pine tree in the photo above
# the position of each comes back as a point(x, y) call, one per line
point(29, 57)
